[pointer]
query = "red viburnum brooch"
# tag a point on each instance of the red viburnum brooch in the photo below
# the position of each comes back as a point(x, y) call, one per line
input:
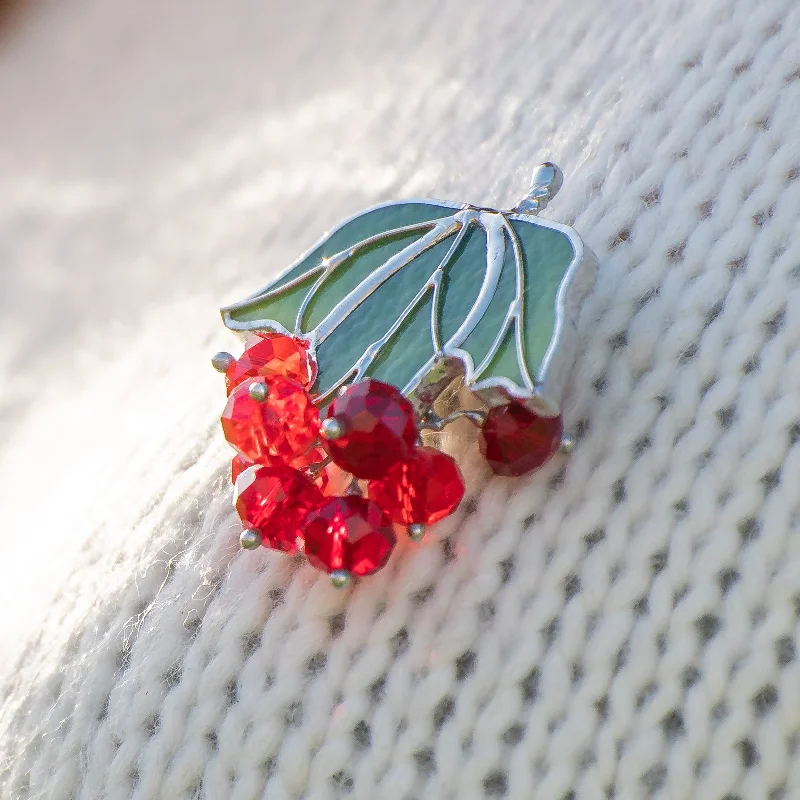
point(405, 318)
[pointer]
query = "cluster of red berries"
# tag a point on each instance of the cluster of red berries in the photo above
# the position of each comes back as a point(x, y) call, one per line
point(333, 488)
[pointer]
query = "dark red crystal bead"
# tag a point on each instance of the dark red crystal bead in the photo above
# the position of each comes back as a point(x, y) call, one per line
point(379, 428)
point(348, 533)
point(285, 426)
point(276, 500)
point(421, 489)
point(269, 354)
point(515, 440)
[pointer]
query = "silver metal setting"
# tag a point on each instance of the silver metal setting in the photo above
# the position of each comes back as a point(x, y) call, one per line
point(542, 391)
point(416, 532)
point(221, 361)
point(332, 429)
point(567, 445)
point(341, 578)
point(250, 539)
point(258, 391)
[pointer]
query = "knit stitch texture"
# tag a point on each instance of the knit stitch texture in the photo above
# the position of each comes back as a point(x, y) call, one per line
point(622, 624)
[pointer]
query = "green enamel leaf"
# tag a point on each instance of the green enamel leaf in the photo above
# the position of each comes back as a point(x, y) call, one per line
point(394, 290)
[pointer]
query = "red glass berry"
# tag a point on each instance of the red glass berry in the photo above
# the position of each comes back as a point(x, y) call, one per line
point(268, 354)
point(285, 426)
point(378, 428)
point(333, 480)
point(238, 466)
point(348, 533)
point(515, 440)
point(422, 489)
point(276, 500)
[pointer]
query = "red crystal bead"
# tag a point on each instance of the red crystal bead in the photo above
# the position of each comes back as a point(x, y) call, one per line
point(515, 440)
point(268, 354)
point(333, 480)
point(349, 533)
point(422, 489)
point(379, 428)
point(238, 466)
point(276, 500)
point(285, 426)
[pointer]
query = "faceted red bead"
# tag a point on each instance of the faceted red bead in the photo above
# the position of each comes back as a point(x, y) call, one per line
point(349, 533)
point(333, 480)
point(285, 426)
point(516, 440)
point(422, 489)
point(379, 428)
point(238, 466)
point(276, 500)
point(268, 354)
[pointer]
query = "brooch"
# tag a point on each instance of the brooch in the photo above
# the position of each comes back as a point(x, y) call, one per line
point(402, 320)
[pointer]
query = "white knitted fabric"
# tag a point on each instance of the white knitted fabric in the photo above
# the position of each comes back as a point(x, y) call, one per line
point(622, 624)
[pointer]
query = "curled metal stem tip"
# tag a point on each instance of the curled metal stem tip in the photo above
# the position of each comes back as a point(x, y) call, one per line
point(546, 181)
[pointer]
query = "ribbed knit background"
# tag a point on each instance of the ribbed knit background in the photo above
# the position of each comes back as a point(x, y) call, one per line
point(621, 625)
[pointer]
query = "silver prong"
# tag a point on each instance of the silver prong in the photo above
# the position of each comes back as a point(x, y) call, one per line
point(250, 539)
point(416, 532)
point(258, 391)
point(567, 445)
point(332, 429)
point(546, 180)
point(341, 578)
point(221, 361)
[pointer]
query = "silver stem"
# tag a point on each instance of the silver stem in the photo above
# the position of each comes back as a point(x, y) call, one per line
point(315, 469)
point(433, 423)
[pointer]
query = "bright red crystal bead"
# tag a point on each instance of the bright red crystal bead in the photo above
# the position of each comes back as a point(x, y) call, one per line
point(238, 466)
point(379, 428)
point(515, 440)
point(285, 426)
point(348, 533)
point(276, 500)
point(333, 480)
point(268, 354)
point(422, 489)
